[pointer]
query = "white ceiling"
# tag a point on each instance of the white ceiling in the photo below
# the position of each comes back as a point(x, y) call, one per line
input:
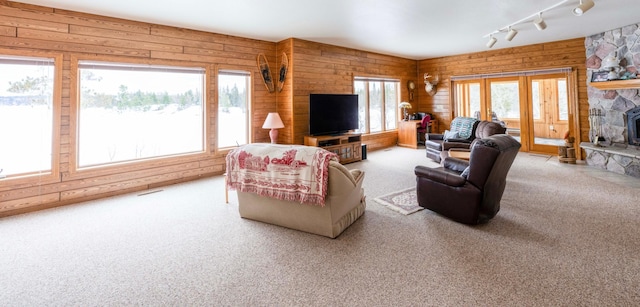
point(415, 29)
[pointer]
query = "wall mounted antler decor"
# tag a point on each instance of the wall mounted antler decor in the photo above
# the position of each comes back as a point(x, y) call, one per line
point(430, 86)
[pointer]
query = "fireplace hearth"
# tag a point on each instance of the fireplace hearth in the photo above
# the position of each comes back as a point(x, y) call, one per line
point(633, 126)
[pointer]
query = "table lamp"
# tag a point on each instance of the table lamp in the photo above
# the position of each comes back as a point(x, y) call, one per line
point(274, 123)
point(404, 106)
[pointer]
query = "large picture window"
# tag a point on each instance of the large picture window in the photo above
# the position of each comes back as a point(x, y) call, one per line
point(233, 108)
point(130, 112)
point(377, 104)
point(26, 115)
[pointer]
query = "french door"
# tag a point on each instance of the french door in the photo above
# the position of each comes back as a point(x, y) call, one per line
point(535, 108)
point(549, 112)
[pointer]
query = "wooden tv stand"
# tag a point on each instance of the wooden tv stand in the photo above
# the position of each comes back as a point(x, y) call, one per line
point(347, 146)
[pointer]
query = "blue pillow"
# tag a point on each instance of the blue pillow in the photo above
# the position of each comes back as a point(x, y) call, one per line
point(465, 173)
point(450, 135)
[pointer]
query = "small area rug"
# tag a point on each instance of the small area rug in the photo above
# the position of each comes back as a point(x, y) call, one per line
point(403, 201)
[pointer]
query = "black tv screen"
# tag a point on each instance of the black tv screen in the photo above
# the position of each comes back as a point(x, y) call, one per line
point(332, 114)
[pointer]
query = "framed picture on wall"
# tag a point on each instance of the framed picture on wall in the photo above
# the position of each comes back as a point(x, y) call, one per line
point(599, 76)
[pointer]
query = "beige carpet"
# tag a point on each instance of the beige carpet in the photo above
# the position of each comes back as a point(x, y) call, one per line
point(567, 235)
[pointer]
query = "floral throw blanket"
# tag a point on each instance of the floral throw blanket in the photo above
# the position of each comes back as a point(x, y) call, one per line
point(288, 172)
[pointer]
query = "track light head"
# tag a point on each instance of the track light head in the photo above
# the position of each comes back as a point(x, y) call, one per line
point(492, 41)
point(539, 23)
point(537, 20)
point(584, 6)
point(511, 34)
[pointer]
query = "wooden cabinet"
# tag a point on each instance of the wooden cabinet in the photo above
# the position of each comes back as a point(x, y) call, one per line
point(408, 132)
point(348, 147)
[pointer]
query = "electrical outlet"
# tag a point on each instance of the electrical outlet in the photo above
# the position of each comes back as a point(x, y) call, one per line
point(551, 128)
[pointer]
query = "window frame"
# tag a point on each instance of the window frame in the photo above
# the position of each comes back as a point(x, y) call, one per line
point(383, 81)
point(53, 174)
point(77, 172)
point(243, 70)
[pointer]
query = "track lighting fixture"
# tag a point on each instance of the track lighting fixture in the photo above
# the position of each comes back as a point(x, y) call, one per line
point(511, 34)
point(539, 23)
point(584, 6)
point(537, 20)
point(491, 42)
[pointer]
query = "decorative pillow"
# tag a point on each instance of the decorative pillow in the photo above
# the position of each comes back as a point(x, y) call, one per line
point(465, 173)
point(450, 135)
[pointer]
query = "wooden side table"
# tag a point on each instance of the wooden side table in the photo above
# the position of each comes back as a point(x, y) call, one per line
point(460, 154)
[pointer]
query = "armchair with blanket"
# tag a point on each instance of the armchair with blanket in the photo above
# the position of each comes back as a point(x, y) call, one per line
point(469, 192)
point(461, 134)
point(483, 130)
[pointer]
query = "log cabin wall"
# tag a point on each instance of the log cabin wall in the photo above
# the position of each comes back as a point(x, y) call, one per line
point(320, 68)
point(32, 30)
point(313, 68)
point(284, 99)
point(567, 53)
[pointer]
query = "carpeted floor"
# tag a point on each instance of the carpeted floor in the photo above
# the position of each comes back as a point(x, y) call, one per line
point(567, 235)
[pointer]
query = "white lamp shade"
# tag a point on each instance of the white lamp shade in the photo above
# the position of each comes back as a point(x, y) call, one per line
point(273, 121)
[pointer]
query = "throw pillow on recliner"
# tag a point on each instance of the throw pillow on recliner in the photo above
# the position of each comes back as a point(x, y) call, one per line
point(449, 135)
point(465, 172)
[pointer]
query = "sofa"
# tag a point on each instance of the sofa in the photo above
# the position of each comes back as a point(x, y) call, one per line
point(463, 130)
point(344, 203)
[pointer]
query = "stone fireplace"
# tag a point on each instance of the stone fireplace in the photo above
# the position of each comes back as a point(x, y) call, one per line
point(633, 126)
point(617, 147)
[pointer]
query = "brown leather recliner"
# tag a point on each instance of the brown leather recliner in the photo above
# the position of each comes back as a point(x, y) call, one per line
point(469, 191)
point(463, 127)
point(483, 130)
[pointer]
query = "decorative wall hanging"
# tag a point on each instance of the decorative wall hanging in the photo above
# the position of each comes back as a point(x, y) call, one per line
point(430, 86)
point(265, 72)
point(411, 86)
point(282, 72)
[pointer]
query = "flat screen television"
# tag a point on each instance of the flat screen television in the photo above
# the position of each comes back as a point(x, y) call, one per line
point(332, 114)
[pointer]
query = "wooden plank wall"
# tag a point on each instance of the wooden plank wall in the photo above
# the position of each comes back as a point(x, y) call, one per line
point(33, 29)
point(313, 68)
point(568, 53)
point(284, 99)
point(321, 68)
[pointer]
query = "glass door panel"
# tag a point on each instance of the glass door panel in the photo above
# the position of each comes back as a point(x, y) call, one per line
point(504, 104)
point(550, 112)
point(468, 99)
